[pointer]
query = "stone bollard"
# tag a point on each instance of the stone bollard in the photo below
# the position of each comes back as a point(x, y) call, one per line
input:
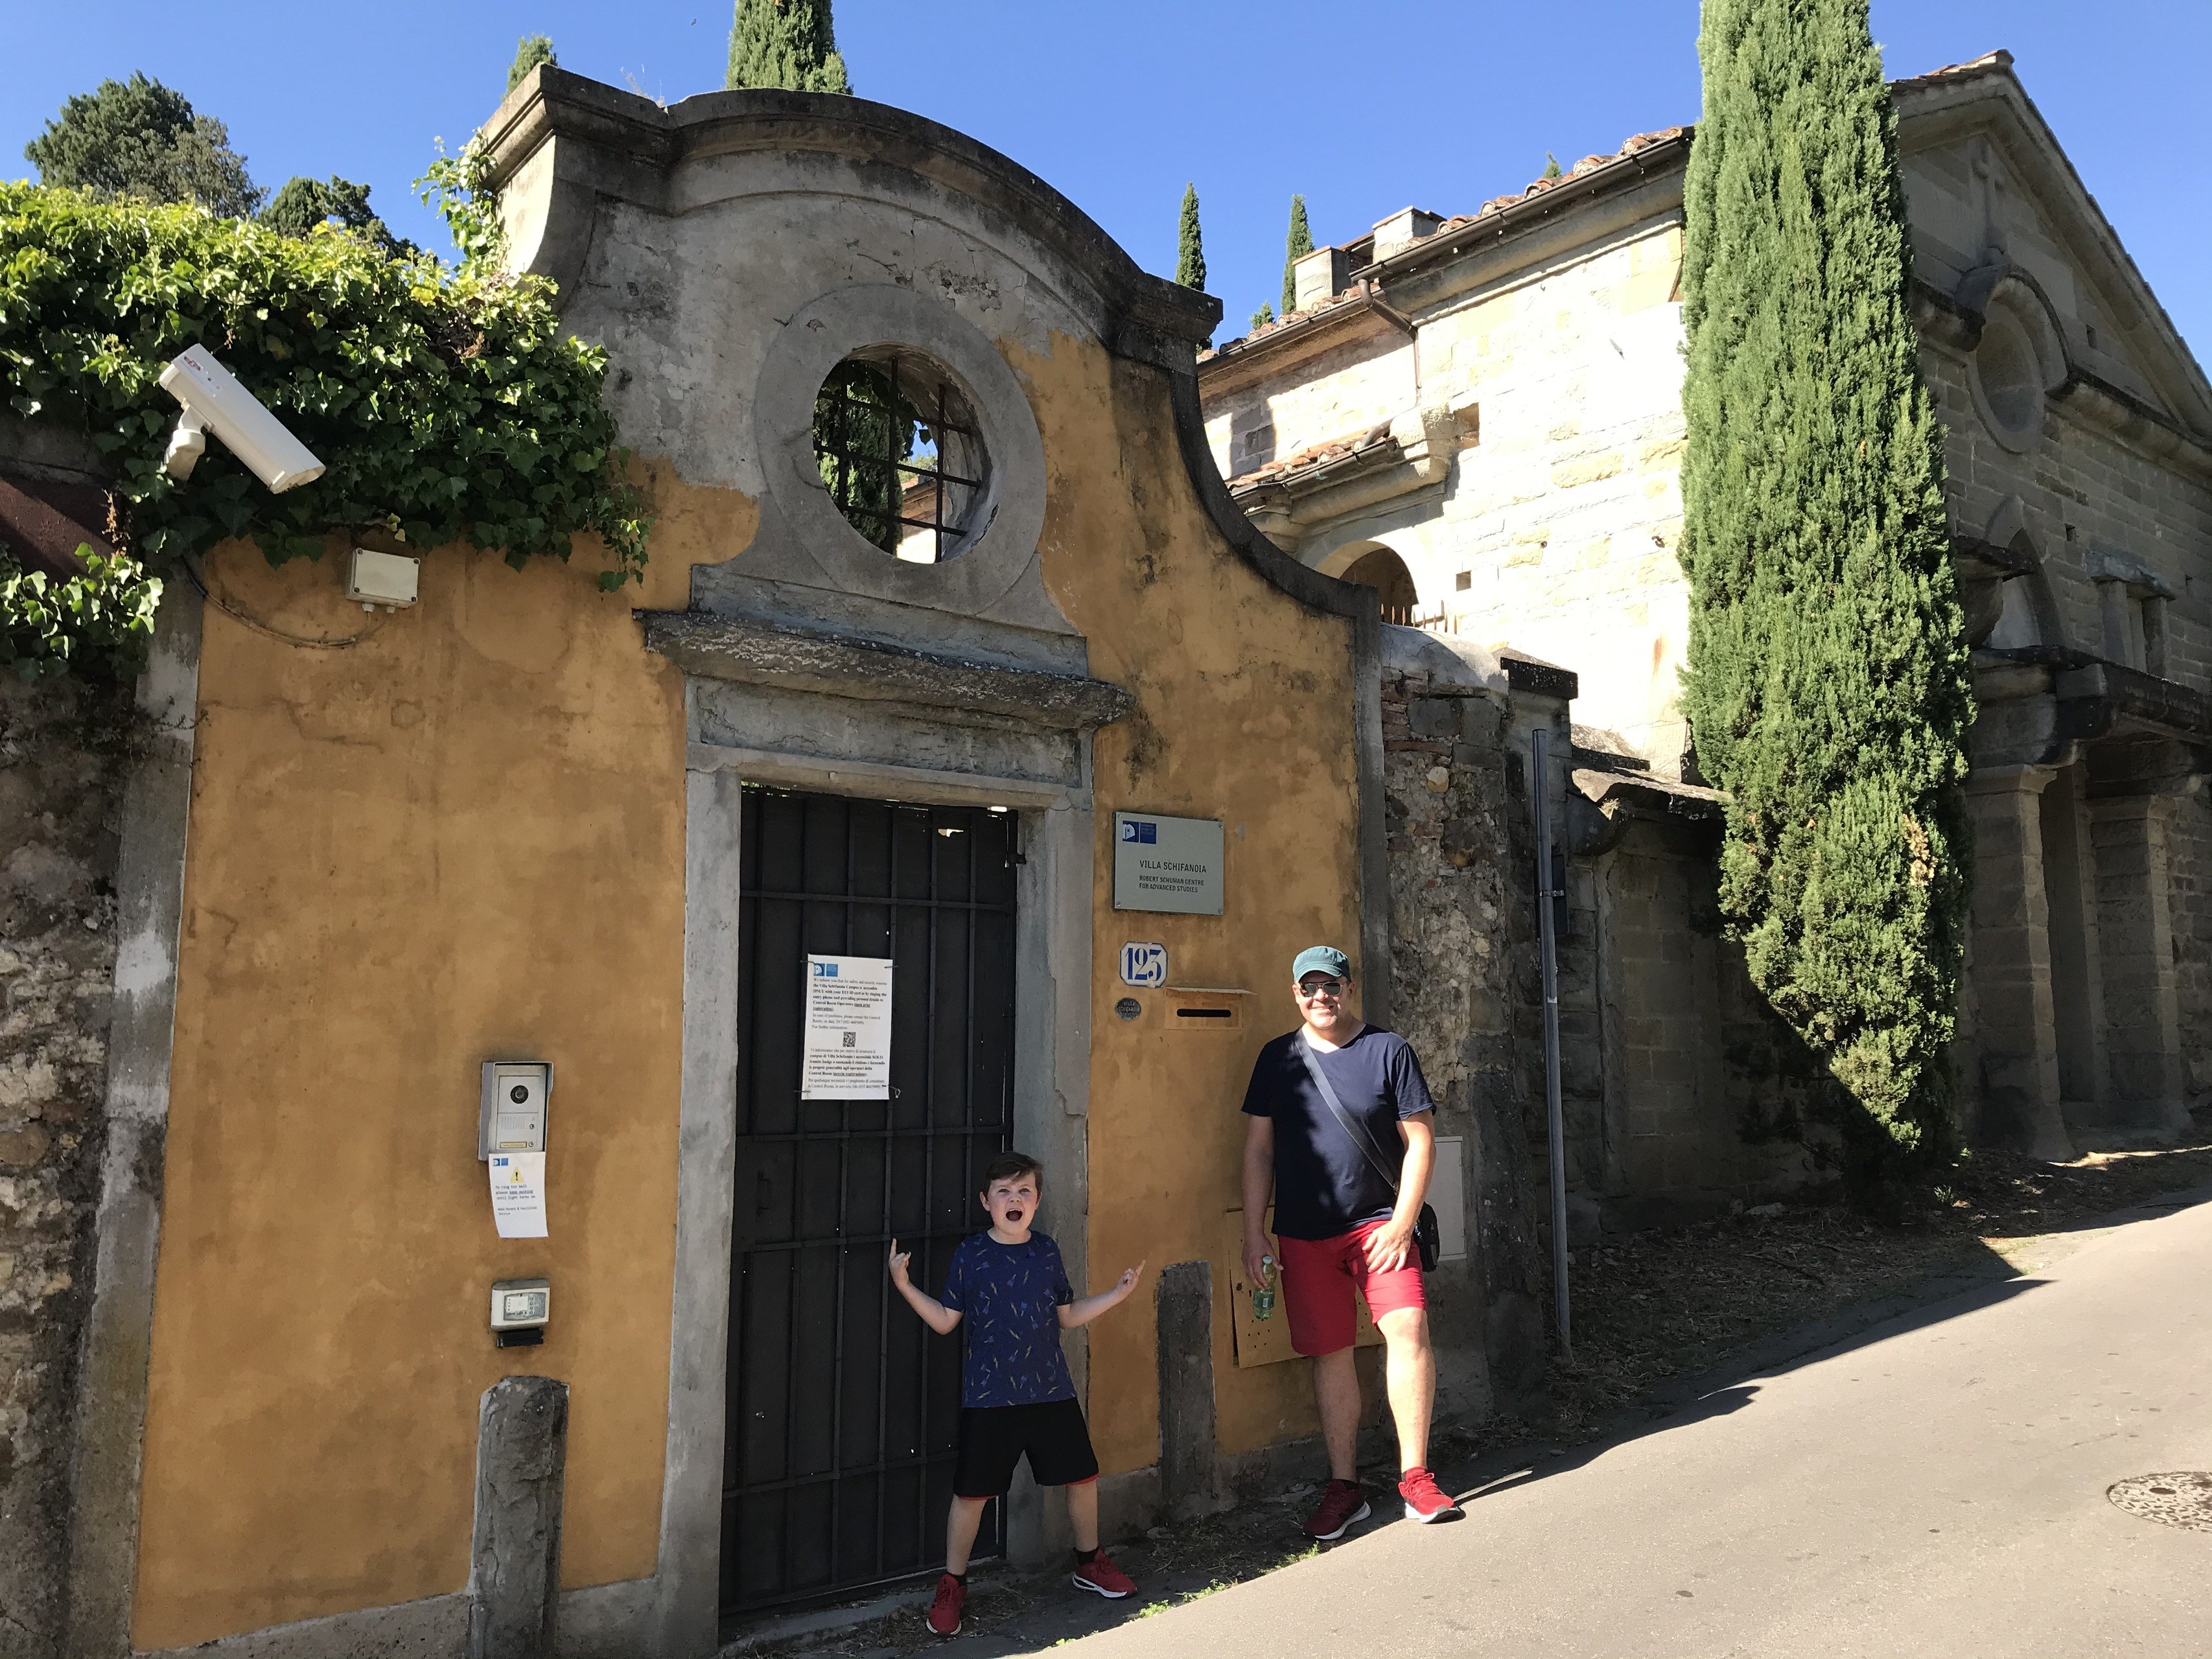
point(1186, 1359)
point(515, 1560)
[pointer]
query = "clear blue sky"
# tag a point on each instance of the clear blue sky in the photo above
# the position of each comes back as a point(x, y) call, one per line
point(1363, 107)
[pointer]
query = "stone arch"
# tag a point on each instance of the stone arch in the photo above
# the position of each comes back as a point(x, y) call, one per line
point(1374, 564)
point(2026, 612)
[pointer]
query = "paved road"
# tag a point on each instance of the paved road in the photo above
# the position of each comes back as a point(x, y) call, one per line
point(1935, 1487)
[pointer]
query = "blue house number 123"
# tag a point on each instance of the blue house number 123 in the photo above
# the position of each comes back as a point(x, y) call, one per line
point(1144, 964)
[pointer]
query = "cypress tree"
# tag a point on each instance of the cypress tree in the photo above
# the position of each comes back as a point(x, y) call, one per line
point(786, 43)
point(1295, 248)
point(530, 51)
point(1263, 316)
point(1827, 688)
point(1190, 249)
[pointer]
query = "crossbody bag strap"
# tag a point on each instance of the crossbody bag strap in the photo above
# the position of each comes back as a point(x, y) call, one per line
point(1344, 1119)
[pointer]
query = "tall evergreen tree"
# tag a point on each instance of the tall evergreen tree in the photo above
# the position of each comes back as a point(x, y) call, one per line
point(1827, 688)
point(1295, 248)
point(786, 43)
point(1552, 167)
point(530, 51)
point(138, 137)
point(1190, 247)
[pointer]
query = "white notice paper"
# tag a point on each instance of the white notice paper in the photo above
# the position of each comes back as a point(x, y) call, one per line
point(847, 1054)
point(518, 1193)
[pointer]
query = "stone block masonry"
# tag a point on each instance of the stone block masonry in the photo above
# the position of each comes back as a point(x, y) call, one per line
point(64, 747)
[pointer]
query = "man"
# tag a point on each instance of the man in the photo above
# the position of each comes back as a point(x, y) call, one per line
point(1340, 1226)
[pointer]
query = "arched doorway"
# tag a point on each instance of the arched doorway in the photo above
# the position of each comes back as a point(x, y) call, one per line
point(1386, 573)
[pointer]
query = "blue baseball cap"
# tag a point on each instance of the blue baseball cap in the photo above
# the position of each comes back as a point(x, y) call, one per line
point(1320, 959)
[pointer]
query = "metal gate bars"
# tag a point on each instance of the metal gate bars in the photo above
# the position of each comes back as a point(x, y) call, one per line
point(842, 1406)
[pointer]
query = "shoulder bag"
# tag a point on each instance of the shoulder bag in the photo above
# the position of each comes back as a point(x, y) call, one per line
point(1426, 1238)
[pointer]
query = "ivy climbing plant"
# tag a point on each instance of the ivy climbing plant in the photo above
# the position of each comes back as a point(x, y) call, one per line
point(445, 402)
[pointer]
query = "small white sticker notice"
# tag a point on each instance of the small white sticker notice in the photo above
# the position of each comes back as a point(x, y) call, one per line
point(1144, 964)
point(848, 1052)
point(518, 1193)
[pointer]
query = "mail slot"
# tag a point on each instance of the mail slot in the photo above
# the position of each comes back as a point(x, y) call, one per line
point(1205, 1011)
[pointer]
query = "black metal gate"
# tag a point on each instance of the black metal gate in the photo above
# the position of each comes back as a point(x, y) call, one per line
point(843, 1405)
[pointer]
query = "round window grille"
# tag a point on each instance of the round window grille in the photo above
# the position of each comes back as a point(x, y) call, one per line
point(901, 454)
point(2011, 377)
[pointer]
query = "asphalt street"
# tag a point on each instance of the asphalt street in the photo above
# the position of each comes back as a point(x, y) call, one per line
point(1936, 1486)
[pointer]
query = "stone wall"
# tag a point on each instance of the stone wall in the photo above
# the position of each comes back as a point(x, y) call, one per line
point(1682, 1094)
point(1706, 1095)
point(2190, 844)
point(1464, 965)
point(63, 750)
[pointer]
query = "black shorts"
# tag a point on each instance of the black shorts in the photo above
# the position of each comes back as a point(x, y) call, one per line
point(993, 1438)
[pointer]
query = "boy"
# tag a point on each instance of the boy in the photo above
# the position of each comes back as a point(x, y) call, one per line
point(1016, 1395)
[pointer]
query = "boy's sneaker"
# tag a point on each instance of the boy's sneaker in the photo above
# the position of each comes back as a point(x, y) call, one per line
point(1101, 1578)
point(944, 1615)
point(1424, 1499)
point(1342, 1503)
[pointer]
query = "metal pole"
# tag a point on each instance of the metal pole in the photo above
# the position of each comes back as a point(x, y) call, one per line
point(1554, 1117)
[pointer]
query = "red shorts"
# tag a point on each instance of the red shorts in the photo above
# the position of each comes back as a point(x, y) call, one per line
point(1319, 1275)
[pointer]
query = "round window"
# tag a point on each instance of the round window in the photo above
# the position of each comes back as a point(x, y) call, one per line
point(897, 441)
point(2011, 377)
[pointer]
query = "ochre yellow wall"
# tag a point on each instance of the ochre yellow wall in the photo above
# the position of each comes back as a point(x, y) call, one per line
point(1247, 715)
point(461, 839)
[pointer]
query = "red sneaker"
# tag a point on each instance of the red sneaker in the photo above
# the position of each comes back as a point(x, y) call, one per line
point(944, 1615)
point(1424, 1499)
point(1342, 1503)
point(1101, 1578)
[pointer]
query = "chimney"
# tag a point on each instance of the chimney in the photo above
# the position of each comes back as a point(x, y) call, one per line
point(1322, 275)
point(1402, 229)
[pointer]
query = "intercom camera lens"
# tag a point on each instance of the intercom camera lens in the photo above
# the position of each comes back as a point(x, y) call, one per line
point(520, 1093)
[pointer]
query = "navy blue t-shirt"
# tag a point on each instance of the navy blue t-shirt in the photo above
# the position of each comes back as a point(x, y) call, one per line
point(1324, 1185)
point(1009, 1298)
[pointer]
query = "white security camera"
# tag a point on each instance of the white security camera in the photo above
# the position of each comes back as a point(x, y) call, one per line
point(215, 402)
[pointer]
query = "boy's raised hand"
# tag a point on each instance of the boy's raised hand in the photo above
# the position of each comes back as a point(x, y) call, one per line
point(898, 1264)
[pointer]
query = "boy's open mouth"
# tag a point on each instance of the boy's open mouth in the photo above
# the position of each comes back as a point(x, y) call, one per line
point(1013, 1218)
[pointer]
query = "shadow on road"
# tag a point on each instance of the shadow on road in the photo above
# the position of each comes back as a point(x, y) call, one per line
point(1729, 1387)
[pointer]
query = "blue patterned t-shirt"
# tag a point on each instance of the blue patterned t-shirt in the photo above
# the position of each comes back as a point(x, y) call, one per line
point(1009, 1298)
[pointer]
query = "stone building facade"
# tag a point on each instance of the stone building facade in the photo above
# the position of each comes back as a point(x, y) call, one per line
point(1488, 408)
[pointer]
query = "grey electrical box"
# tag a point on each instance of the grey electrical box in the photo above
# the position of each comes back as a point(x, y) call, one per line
point(520, 1310)
point(511, 1115)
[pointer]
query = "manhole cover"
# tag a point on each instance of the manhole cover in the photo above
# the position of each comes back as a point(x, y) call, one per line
point(2183, 1499)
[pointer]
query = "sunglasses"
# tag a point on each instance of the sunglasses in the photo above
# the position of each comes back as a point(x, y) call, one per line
point(1328, 987)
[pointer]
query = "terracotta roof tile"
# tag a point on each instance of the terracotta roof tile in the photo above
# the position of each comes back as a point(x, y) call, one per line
point(1313, 456)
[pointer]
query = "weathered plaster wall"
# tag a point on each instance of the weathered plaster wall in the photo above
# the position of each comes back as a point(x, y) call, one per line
point(1246, 697)
point(1245, 714)
point(64, 750)
point(459, 838)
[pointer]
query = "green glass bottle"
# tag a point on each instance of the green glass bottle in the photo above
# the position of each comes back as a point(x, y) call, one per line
point(1263, 1293)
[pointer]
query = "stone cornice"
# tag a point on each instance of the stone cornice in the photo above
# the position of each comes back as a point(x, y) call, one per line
point(848, 665)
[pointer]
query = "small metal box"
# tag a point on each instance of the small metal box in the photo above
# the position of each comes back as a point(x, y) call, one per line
point(511, 1112)
point(385, 579)
point(521, 1309)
